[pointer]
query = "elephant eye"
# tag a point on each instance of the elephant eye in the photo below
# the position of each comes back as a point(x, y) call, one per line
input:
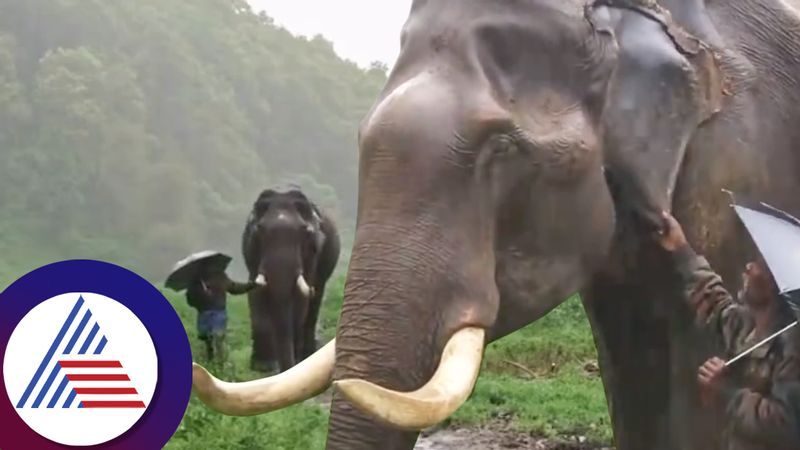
point(261, 208)
point(303, 209)
point(504, 145)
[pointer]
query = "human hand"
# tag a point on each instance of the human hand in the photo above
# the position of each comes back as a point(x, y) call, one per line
point(710, 374)
point(671, 237)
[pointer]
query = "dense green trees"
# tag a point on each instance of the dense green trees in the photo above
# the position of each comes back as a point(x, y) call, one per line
point(139, 131)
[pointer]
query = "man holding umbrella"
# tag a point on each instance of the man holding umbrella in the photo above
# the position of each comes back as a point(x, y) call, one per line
point(759, 385)
point(207, 285)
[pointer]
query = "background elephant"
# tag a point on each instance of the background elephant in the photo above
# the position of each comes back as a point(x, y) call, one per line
point(522, 151)
point(294, 247)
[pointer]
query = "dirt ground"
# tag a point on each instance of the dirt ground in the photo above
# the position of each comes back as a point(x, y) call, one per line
point(495, 437)
point(488, 439)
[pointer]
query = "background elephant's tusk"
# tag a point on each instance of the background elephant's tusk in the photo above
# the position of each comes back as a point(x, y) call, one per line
point(303, 286)
point(447, 390)
point(303, 381)
point(261, 280)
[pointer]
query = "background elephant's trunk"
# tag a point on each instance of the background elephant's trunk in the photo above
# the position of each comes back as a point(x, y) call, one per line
point(276, 310)
point(407, 293)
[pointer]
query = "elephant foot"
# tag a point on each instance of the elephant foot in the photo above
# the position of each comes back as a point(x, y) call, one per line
point(258, 365)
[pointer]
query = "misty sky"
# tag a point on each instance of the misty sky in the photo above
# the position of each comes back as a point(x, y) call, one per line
point(361, 30)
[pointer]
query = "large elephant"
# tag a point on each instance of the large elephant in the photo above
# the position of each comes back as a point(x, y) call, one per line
point(291, 248)
point(521, 151)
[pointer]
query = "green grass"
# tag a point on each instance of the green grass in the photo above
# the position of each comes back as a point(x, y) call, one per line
point(536, 379)
point(532, 381)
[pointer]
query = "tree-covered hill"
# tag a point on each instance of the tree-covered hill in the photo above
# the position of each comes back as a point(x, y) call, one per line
point(139, 131)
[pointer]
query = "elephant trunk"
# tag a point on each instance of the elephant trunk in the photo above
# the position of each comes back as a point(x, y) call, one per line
point(281, 302)
point(421, 271)
point(410, 337)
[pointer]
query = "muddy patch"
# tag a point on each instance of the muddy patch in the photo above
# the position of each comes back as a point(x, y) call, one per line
point(496, 436)
point(492, 439)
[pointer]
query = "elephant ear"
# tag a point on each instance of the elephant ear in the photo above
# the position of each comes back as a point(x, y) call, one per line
point(665, 85)
point(249, 250)
point(319, 233)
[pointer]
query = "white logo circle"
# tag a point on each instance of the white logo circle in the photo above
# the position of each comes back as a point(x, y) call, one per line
point(80, 369)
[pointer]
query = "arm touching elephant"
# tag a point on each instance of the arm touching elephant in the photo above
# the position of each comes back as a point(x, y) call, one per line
point(237, 288)
point(760, 408)
point(665, 84)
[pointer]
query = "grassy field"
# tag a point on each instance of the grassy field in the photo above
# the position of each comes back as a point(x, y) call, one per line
point(540, 379)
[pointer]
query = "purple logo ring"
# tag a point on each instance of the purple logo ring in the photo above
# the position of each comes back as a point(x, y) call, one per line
point(174, 377)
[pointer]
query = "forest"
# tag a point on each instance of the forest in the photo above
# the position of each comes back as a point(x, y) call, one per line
point(137, 132)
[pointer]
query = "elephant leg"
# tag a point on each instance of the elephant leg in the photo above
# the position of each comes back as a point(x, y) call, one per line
point(632, 346)
point(309, 326)
point(648, 357)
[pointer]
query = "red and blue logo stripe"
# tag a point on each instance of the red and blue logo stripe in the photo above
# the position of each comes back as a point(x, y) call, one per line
point(75, 359)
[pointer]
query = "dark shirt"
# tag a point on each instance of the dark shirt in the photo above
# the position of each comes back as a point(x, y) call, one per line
point(211, 293)
point(761, 392)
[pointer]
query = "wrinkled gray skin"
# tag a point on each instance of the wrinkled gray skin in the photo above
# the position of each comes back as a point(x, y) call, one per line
point(521, 151)
point(286, 235)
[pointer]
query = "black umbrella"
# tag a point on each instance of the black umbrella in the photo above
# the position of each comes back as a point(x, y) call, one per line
point(190, 268)
point(777, 236)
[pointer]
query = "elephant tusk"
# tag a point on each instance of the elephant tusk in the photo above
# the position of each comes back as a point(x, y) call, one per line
point(303, 381)
point(261, 280)
point(303, 286)
point(447, 390)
